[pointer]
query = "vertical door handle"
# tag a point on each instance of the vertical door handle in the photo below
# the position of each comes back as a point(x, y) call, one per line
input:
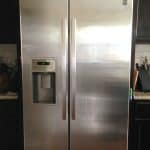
point(73, 69)
point(73, 108)
point(64, 108)
point(64, 66)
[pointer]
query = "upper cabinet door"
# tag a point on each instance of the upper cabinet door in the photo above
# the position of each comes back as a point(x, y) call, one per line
point(143, 21)
point(8, 24)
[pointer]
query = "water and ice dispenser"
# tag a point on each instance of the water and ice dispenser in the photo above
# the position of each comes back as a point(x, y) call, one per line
point(44, 80)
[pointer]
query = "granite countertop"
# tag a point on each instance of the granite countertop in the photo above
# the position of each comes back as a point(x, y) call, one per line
point(9, 96)
point(139, 95)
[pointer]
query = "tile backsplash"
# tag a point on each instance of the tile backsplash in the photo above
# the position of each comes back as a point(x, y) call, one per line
point(141, 51)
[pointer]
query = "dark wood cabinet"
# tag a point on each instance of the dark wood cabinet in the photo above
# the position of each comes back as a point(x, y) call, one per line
point(10, 125)
point(140, 126)
point(8, 21)
point(11, 120)
point(143, 134)
point(143, 21)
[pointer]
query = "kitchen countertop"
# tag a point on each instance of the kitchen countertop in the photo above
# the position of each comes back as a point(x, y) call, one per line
point(138, 95)
point(9, 96)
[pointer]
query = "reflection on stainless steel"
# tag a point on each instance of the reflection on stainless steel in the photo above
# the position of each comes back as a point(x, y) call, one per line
point(124, 2)
point(103, 47)
point(44, 35)
point(89, 38)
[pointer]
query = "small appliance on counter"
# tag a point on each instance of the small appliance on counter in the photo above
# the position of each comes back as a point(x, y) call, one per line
point(143, 76)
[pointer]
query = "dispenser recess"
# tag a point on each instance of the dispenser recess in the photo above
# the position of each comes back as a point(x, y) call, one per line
point(44, 80)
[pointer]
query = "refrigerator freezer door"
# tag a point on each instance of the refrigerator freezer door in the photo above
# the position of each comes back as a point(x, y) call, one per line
point(102, 48)
point(44, 35)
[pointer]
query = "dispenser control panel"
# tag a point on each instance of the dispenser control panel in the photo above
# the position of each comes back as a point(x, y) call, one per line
point(44, 65)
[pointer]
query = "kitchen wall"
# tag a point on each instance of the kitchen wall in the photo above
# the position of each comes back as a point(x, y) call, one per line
point(141, 51)
point(8, 53)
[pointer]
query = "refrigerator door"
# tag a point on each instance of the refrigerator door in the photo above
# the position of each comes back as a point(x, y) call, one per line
point(100, 66)
point(44, 43)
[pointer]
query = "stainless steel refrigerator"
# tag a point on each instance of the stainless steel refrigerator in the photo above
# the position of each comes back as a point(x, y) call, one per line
point(75, 69)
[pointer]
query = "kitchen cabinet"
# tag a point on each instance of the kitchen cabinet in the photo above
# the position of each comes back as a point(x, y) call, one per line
point(143, 21)
point(11, 129)
point(8, 23)
point(143, 134)
point(10, 126)
point(140, 128)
